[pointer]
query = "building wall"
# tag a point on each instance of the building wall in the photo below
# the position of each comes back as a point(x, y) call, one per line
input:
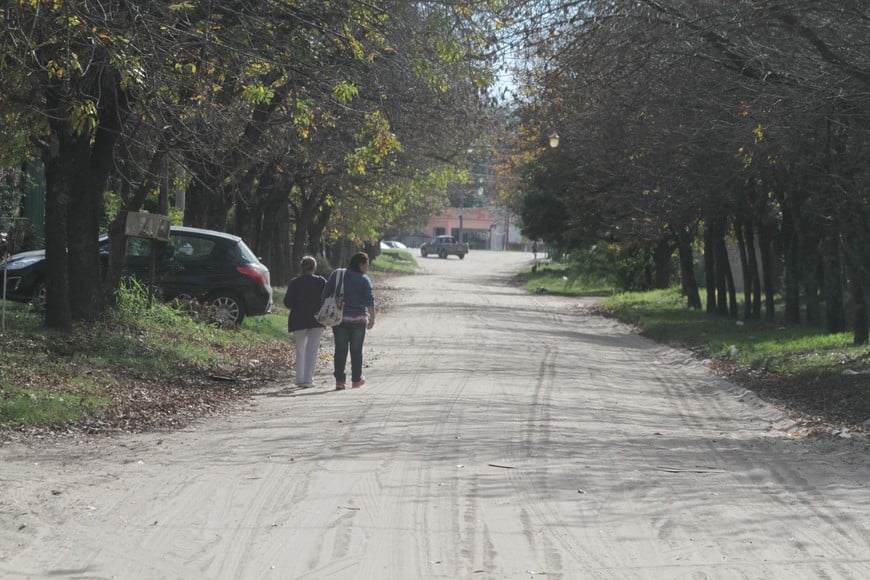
point(482, 228)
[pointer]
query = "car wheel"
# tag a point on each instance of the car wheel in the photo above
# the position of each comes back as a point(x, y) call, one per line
point(442, 254)
point(228, 308)
point(461, 256)
point(424, 253)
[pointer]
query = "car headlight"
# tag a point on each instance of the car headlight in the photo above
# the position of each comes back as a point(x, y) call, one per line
point(23, 262)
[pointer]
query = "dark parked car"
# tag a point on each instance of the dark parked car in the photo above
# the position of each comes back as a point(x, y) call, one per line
point(210, 266)
point(25, 276)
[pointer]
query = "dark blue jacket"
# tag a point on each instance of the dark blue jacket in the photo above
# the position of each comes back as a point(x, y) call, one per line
point(303, 300)
point(358, 292)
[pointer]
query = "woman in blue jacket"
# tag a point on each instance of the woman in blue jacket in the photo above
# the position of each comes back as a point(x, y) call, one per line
point(358, 315)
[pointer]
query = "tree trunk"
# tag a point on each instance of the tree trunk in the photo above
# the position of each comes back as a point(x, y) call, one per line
point(860, 330)
point(662, 259)
point(710, 268)
point(311, 217)
point(856, 257)
point(315, 231)
point(753, 271)
point(210, 198)
point(74, 289)
point(792, 266)
point(269, 229)
point(733, 310)
point(811, 284)
point(86, 297)
point(723, 270)
point(77, 168)
point(60, 169)
point(87, 300)
point(204, 204)
point(744, 268)
point(276, 236)
point(131, 201)
point(273, 240)
point(117, 249)
point(687, 269)
point(833, 286)
point(768, 268)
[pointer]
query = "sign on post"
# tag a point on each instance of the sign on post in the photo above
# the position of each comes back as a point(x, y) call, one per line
point(147, 225)
point(154, 227)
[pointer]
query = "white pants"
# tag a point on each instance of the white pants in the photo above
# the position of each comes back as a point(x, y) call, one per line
point(307, 346)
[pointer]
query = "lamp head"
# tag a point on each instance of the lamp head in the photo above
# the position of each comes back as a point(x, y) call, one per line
point(554, 140)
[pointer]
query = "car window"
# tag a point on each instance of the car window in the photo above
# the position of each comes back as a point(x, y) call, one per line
point(247, 255)
point(191, 247)
point(141, 248)
point(138, 247)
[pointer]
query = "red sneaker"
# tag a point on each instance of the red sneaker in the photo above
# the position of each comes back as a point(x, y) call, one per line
point(340, 386)
point(359, 383)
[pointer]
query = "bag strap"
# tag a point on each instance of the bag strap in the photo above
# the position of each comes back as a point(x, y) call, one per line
point(339, 284)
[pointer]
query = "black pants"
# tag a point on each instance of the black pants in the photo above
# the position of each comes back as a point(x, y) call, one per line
point(348, 337)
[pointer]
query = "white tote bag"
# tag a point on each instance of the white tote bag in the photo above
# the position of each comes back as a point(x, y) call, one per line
point(331, 310)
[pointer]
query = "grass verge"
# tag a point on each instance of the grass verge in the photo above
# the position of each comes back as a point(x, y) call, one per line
point(139, 368)
point(394, 261)
point(559, 279)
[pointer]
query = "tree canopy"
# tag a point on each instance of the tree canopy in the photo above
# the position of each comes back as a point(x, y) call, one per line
point(338, 116)
point(743, 122)
point(683, 125)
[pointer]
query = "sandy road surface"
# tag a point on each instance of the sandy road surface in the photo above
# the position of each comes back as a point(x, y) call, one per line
point(500, 436)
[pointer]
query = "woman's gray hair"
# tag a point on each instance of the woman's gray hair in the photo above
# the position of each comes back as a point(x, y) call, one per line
point(308, 265)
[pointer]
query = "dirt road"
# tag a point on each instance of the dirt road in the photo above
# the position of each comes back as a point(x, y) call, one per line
point(500, 435)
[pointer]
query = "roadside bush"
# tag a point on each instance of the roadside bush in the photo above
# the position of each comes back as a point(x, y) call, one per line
point(133, 305)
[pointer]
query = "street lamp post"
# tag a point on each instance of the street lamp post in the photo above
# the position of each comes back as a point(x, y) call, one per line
point(461, 207)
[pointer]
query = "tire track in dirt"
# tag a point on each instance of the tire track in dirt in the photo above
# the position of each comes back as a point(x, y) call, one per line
point(529, 475)
point(712, 409)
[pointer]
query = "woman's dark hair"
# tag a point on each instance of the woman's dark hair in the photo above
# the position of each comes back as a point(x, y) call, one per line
point(357, 260)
